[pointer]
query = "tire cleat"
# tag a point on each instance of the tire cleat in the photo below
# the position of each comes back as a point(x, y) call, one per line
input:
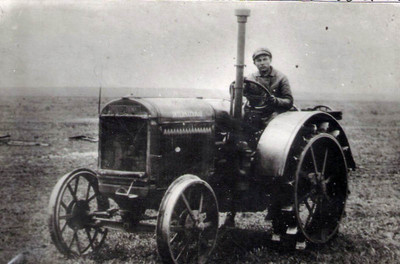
point(292, 230)
point(291, 183)
point(289, 208)
point(335, 133)
point(301, 245)
point(276, 237)
point(323, 127)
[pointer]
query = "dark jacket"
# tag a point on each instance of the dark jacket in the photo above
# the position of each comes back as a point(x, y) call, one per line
point(278, 85)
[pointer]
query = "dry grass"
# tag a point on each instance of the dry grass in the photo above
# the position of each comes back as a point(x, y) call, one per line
point(369, 234)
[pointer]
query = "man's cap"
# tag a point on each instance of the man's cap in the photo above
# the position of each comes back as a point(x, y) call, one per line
point(262, 51)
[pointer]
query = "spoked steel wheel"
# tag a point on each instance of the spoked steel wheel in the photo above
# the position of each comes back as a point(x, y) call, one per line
point(310, 198)
point(320, 188)
point(74, 198)
point(187, 224)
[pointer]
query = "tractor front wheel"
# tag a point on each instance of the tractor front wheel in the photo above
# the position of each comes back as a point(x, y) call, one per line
point(187, 223)
point(73, 200)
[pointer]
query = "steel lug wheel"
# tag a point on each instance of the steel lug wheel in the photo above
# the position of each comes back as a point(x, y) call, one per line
point(73, 200)
point(320, 188)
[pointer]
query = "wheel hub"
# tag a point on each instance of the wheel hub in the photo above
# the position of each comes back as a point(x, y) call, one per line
point(197, 223)
point(319, 182)
point(79, 212)
point(321, 185)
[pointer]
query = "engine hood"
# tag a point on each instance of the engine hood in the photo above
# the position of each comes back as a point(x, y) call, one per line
point(166, 110)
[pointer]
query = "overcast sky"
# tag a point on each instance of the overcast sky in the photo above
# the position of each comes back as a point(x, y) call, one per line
point(321, 47)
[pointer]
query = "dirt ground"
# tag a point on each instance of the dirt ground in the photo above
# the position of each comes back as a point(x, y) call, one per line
point(369, 234)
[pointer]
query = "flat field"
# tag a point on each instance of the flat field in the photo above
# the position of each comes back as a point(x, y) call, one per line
point(369, 234)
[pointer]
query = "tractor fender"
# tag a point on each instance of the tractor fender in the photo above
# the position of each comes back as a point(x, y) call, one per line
point(279, 138)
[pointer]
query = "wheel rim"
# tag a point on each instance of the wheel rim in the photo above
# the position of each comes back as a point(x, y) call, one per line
point(71, 223)
point(190, 224)
point(320, 188)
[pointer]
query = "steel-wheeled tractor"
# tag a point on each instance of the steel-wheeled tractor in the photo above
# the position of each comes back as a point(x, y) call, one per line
point(193, 158)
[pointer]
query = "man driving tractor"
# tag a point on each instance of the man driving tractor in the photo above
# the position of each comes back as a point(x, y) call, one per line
point(260, 107)
point(277, 84)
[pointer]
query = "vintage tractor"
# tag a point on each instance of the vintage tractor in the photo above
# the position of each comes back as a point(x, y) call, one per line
point(192, 158)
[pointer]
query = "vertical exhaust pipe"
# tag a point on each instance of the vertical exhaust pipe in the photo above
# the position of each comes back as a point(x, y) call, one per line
point(242, 15)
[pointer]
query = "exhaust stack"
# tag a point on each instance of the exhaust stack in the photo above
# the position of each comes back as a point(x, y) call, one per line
point(242, 15)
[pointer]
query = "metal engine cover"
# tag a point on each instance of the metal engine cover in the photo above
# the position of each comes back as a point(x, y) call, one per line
point(176, 137)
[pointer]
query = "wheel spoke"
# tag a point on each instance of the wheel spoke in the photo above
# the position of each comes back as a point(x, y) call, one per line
point(324, 164)
point(91, 198)
point(188, 207)
point(320, 203)
point(201, 203)
point(328, 179)
point(87, 230)
point(199, 244)
point(314, 160)
point(78, 244)
point(88, 191)
point(101, 231)
point(304, 197)
point(310, 210)
point(328, 199)
point(63, 228)
point(66, 217)
point(178, 238)
point(76, 185)
point(91, 239)
point(72, 240)
point(96, 232)
point(64, 205)
point(183, 250)
point(177, 228)
point(72, 192)
point(310, 216)
point(172, 240)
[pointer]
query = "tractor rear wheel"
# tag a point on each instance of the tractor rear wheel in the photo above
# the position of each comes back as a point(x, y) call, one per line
point(314, 193)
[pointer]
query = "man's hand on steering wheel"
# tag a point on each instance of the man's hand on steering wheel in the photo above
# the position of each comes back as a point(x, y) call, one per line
point(271, 100)
point(257, 94)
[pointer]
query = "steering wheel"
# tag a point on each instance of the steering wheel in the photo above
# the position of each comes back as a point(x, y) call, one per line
point(323, 108)
point(255, 92)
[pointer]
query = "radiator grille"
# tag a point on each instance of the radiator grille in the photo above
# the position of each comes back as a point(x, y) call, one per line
point(187, 130)
point(123, 143)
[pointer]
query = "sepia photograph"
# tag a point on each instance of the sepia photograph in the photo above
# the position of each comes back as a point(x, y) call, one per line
point(199, 131)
